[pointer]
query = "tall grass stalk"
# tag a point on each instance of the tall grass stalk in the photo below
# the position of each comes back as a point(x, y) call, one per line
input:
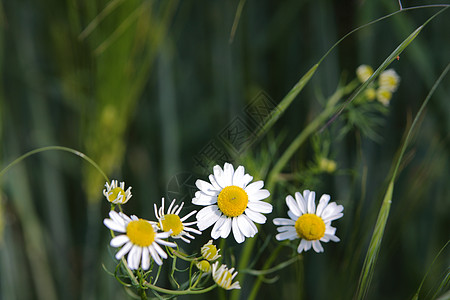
point(320, 120)
point(377, 236)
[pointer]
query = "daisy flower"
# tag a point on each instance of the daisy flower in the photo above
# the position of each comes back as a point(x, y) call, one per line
point(307, 223)
point(224, 277)
point(116, 194)
point(232, 204)
point(171, 221)
point(140, 240)
point(209, 251)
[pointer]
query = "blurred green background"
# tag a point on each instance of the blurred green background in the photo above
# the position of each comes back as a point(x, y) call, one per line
point(142, 87)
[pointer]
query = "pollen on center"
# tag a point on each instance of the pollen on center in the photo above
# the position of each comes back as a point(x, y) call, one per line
point(141, 233)
point(172, 222)
point(232, 201)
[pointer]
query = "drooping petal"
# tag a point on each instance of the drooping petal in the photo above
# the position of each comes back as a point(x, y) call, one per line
point(124, 250)
point(226, 228)
point(238, 236)
point(246, 226)
point(216, 231)
point(317, 246)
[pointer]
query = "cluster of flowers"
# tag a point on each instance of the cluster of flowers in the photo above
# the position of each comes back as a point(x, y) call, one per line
point(231, 204)
point(387, 84)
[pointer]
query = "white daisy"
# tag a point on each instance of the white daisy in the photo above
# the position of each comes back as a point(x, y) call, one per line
point(224, 277)
point(140, 240)
point(232, 204)
point(171, 221)
point(307, 223)
point(116, 194)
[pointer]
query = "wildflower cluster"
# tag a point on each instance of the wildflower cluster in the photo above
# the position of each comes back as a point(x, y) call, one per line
point(232, 203)
point(382, 90)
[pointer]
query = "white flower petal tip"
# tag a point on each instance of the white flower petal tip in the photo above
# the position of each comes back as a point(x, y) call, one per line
point(232, 203)
point(308, 222)
point(139, 241)
point(116, 193)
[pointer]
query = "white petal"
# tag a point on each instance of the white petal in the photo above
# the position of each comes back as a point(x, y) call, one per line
point(114, 226)
point(254, 187)
point(134, 257)
point(238, 176)
point(238, 236)
point(214, 182)
point(203, 199)
point(331, 237)
point(219, 176)
point(292, 216)
point(260, 206)
point(259, 195)
point(226, 228)
point(206, 211)
point(209, 219)
point(293, 206)
point(158, 249)
point(301, 246)
point(216, 231)
point(205, 187)
point(323, 202)
point(117, 218)
point(119, 240)
point(247, 178)
point(283, 221)
point(165, 243)
point(301, 202)
point(145, 258)
point(317, 246)
point(154, 254)
point(332, 212)
point(228, 172)
point(187, 216)
point(246, 226)
point(124, 250)
point(255, 216)
point(287, 235)
point(311, 203)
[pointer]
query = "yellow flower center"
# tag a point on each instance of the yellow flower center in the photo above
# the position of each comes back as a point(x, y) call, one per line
point(204, 266)
point(232, 201)
point(209, 251)
point(310, 227)
point(172, 221)
point(225, 279)
point(141, 233)
point(115, 193)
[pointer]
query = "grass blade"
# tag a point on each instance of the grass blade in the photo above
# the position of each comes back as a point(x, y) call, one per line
point(377, 236)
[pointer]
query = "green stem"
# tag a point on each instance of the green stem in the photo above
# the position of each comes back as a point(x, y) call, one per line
point(258, 282)
point(184, 292)
point(59, 148)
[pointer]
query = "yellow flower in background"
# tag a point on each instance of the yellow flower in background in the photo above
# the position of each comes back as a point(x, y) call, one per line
point(224, 277)
point(389, 80)
point(307, 223)
point(363, 72)
point(116, 193)
point(327, 165)
point(384, 96)
point(371, 94)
